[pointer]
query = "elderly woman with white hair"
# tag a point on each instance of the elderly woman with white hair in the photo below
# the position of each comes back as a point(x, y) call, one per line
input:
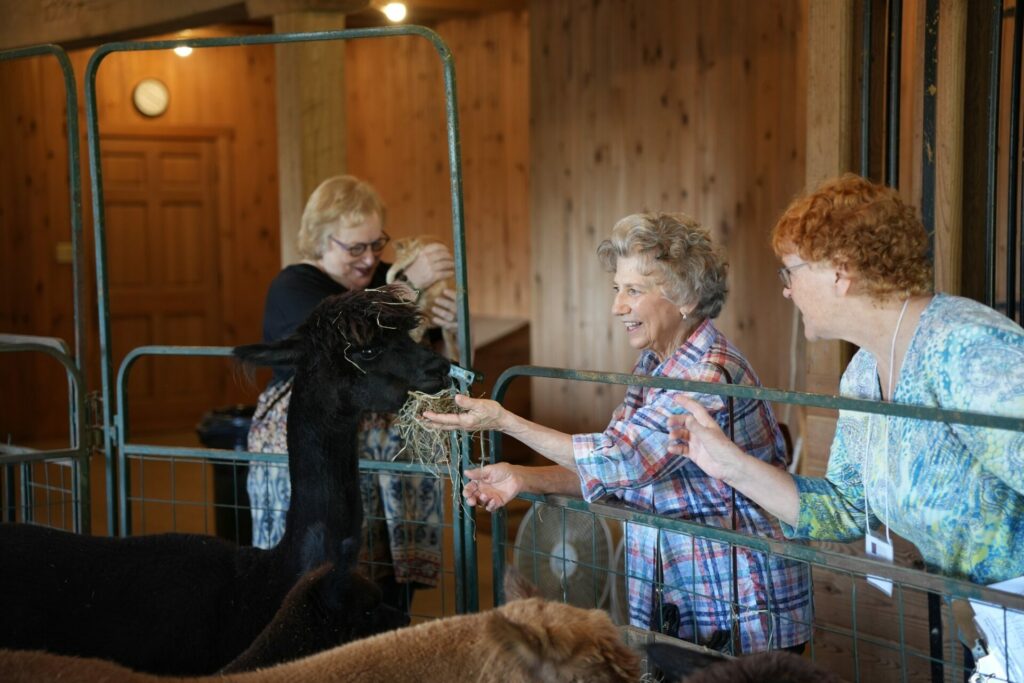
point(669, 284)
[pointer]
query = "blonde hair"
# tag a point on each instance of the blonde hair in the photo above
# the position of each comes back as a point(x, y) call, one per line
point(344, 198)
point(691, 269)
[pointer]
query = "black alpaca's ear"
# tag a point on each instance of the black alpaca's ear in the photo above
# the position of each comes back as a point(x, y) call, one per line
point(678, 662)
point(279, 354)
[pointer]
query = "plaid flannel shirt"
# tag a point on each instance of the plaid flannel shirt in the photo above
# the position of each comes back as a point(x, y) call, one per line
point(630, 460)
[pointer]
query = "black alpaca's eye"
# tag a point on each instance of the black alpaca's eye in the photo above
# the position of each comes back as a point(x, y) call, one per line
point(367, 353)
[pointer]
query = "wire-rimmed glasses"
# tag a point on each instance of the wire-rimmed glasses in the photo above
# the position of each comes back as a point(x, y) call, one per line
point(359, 248)
point(785, 274)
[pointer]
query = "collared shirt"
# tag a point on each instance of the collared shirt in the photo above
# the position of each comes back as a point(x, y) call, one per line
point(954, 491)
point(630, 460)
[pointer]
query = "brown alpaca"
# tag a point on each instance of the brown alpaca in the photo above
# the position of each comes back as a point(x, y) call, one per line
point(523, 641)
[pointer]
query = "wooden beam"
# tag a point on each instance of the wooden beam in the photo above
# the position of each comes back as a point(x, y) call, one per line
point(829, 88)
point(310, 116)
point(91, 22)
point(830, 30)
point(949, 148)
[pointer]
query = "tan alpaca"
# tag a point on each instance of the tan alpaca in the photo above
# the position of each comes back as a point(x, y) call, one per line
point(406, 251)
point(523, 641)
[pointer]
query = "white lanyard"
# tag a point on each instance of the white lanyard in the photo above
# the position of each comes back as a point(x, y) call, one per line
point(875, 547)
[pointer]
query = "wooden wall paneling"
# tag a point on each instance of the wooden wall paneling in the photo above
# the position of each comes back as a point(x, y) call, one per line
point(491, 62)
point(395, 137)
point(228, 87)
point(397, 141)
point(310, 116)
point(680, 118)
point(553, 171)
point(34, 217)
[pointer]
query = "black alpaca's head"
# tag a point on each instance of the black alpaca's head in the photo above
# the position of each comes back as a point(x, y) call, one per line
point(355, 351)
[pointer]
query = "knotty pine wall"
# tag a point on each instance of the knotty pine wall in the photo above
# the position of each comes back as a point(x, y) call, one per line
point(230, 89)
point(661, 105)
point(397, 141)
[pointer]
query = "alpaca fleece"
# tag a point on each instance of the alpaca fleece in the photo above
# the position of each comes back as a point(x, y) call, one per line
point(524, 641)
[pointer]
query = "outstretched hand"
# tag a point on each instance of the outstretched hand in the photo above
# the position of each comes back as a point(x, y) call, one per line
point(433, 263)
point(481, 413)
point(492, 486)
point(698, 437)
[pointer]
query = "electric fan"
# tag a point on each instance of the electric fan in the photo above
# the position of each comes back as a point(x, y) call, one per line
point(567, 554)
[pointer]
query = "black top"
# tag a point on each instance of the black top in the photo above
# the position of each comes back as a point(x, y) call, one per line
point(293, 295)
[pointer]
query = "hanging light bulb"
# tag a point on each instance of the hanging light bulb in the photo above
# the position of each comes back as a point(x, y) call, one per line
point(394, 11)
point(183, 50)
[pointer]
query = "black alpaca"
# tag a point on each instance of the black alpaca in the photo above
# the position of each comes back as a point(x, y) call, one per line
point(190, 604)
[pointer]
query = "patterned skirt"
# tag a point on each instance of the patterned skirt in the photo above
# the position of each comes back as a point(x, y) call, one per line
point(403, 513)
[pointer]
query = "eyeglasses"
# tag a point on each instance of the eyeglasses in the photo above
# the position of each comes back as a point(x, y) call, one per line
point(359, 248)
point(785, 274)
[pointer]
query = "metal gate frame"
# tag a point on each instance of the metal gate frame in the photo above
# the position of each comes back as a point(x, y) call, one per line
point(80, 447)
point(115, 444)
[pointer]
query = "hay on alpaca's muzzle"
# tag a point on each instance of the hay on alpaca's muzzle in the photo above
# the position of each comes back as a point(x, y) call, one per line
point(422, 443)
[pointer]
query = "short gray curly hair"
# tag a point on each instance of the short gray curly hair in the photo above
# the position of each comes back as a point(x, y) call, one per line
point(679, 252)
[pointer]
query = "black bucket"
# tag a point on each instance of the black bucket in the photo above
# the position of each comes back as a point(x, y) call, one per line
point(228, 428)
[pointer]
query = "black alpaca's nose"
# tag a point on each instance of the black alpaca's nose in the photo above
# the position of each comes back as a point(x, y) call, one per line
point(437, 371)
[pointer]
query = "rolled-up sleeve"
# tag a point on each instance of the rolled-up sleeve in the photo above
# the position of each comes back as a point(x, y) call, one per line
point(632, 452)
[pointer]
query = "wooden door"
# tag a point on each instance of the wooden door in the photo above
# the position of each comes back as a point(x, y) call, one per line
point(163, 200)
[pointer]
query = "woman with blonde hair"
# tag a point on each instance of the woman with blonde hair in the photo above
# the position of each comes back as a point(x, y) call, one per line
point(340, 240)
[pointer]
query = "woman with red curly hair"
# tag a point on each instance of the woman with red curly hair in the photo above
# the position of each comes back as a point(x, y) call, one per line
point(855, 263)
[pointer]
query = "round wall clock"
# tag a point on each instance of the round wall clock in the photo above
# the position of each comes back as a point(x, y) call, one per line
point(150, 97)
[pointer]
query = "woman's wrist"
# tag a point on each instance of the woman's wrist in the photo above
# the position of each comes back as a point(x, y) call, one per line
point(736, 471)
point(506, 422)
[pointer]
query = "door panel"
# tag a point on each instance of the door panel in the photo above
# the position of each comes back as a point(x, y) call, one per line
point(162, 198)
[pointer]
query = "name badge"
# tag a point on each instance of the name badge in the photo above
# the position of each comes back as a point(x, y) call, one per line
point(879, 549)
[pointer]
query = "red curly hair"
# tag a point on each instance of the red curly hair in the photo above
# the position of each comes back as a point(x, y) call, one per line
point(864, 228)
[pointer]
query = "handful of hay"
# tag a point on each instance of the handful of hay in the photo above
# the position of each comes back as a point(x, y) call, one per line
point(424, 444)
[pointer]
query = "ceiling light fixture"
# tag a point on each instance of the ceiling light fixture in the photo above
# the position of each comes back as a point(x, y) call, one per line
point(183, 50)
point(394, 11)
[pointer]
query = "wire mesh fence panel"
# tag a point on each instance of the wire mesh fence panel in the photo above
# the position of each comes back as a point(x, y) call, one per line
point(407, 546)
point(854, 631)
point(930, 628)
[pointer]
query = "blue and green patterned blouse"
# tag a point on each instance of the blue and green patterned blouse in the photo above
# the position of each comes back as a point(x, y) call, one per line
point(954, 491)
